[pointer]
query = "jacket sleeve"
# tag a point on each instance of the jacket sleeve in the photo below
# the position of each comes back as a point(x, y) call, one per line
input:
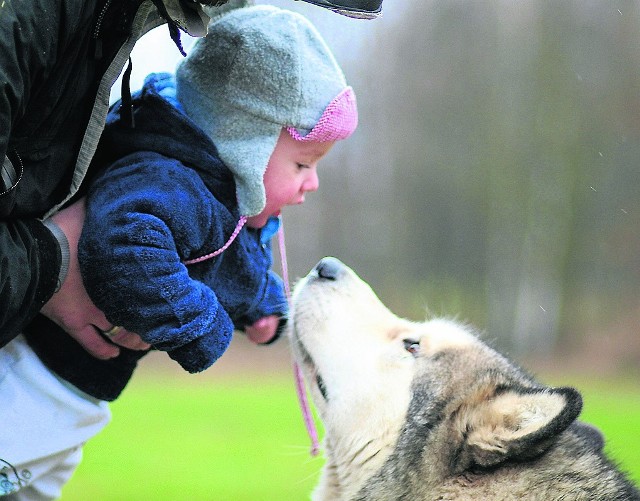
point(29, 253)
point(272, 301)
point(270, 297)
point(30, 258)
point(144, 216)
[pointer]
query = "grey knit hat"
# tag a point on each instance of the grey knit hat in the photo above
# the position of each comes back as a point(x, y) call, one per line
point(259, 69)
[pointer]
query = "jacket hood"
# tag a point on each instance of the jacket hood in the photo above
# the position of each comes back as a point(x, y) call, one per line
point(158, 125)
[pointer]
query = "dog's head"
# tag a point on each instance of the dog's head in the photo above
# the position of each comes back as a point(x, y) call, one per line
point(433, 389)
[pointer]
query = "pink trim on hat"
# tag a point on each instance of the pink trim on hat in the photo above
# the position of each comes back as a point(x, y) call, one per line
point(338, 120)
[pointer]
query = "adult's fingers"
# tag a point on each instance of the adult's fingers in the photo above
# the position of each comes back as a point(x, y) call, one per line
point(129, 340)
point(94, 343)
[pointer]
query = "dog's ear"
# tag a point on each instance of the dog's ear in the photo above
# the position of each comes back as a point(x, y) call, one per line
point(515, 424)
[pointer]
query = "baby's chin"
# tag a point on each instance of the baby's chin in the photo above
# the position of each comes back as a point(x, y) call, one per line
point(259, 220)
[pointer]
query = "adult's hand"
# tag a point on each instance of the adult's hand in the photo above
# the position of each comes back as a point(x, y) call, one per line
point(72, 309)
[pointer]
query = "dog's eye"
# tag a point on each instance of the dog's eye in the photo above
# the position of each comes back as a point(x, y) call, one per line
point(412, 346)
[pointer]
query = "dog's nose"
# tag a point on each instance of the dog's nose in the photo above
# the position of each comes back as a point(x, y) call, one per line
point(329, 268)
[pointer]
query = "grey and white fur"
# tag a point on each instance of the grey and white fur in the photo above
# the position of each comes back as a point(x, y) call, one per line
point(423, 411)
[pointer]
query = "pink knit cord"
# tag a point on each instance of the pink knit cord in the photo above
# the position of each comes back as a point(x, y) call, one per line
point(241, 222)
point(300, 388)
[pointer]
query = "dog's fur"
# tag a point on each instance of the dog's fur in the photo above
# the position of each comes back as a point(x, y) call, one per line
point(426, 411)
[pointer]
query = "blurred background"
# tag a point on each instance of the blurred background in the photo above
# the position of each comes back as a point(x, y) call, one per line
point(495, 172)
point(494, 177)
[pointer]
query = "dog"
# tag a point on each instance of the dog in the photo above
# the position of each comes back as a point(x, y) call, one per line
point(427, 411)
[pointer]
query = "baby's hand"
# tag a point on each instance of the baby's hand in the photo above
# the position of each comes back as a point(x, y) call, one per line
point(263, 330)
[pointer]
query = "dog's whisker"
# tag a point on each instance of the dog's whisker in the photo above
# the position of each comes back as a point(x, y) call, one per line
point(306, 478)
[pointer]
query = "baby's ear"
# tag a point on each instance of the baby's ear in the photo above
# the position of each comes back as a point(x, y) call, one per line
point(517, 424)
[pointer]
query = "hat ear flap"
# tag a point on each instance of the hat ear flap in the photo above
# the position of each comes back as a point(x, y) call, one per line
point(516, 423)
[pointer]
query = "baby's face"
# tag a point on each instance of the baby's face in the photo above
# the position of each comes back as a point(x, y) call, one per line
point(291, 172)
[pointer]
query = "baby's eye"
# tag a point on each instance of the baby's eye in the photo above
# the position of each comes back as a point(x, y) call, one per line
point(412, 346)
point(303, 166)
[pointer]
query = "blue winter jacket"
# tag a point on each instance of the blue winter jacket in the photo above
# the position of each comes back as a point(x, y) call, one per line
point(168, 199)
point(164, 198)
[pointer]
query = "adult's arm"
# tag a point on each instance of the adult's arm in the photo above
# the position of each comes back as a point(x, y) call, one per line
point(34, 36)
point(29, 267)
point(29, 253)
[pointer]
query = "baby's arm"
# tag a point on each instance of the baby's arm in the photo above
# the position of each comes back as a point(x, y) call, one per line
point(144, 216)
point(267, 318)
point(71, 308)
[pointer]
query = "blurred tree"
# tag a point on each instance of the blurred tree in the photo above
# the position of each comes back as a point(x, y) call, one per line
point(495, 172)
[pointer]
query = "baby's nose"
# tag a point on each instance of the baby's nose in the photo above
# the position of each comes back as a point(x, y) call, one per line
point(311, 183)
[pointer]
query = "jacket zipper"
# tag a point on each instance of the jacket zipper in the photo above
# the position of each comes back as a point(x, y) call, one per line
point(97, 54)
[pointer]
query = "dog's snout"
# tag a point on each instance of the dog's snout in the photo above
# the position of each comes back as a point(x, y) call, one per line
point(329, 268)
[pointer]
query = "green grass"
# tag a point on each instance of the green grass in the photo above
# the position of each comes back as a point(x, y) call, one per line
point(219, 440)
point(244, 439)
